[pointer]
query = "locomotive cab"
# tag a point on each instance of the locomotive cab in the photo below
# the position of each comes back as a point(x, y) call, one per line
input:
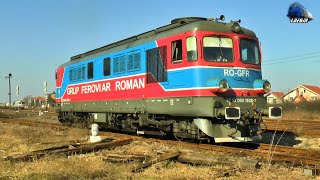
point(227, 68)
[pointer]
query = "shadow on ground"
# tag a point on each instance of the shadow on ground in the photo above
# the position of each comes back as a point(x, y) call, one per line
point(280, 138)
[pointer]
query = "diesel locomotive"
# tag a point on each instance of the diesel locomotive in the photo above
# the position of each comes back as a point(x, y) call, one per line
point(195, 78)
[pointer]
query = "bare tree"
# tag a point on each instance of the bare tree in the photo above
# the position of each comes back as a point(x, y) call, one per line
point(27, 100)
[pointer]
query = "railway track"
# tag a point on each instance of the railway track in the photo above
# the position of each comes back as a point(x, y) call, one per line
point(309, 128)
point(30, 122)
point(274, 154)
point(295, 156)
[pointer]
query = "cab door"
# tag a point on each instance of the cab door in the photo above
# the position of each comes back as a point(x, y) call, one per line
point(177, 63)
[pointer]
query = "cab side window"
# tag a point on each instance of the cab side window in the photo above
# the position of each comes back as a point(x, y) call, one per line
point(192, 51)
point(176, 52)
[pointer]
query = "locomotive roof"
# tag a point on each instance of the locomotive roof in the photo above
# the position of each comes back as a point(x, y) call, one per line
point(177, 26)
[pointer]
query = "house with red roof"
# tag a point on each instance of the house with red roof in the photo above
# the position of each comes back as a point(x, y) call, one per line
point(275, 98)
point(303, 93)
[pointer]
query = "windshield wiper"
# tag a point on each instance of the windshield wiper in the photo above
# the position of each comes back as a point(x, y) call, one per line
point(220, 42)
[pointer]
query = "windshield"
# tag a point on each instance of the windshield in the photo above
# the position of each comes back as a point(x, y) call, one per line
point(249, 51)
point(218, 49)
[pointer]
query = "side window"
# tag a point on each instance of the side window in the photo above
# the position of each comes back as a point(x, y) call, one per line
point(133, 60)
point(106, 67)
point(116, 65)
point(192, 50)
point(74, 74)
point(70, 75)
point(83, 73)
point(176, 52)
point(136, 61)
point(90, 70)
point(122, 64)
point(119, 64)
point(79, 73)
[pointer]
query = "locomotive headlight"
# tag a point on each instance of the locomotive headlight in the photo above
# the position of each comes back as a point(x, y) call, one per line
point(235, 27)
point(223, 85)
point(266, 86)
point(218, 85)
point(262, 86)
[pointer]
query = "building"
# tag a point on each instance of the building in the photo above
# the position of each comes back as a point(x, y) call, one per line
point(275, 98)
point(37, 101)
point(40, 101)
point(303, 93)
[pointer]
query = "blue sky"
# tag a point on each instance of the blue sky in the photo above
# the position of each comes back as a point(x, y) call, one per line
point(36, 36)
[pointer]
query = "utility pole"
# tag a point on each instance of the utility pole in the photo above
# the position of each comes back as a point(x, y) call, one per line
point(18, 92)
point(45, 85)
point(8, 77)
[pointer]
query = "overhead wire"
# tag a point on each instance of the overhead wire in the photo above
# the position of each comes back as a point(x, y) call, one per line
point(296, 58)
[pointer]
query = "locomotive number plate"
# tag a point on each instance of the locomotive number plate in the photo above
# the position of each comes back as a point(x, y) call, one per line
point(241, 100)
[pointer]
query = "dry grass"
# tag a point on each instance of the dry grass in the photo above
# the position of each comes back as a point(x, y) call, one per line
point(21, 139)
point(76, 167)
point(308, 143)
point(16, 139)
point(304, 110)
